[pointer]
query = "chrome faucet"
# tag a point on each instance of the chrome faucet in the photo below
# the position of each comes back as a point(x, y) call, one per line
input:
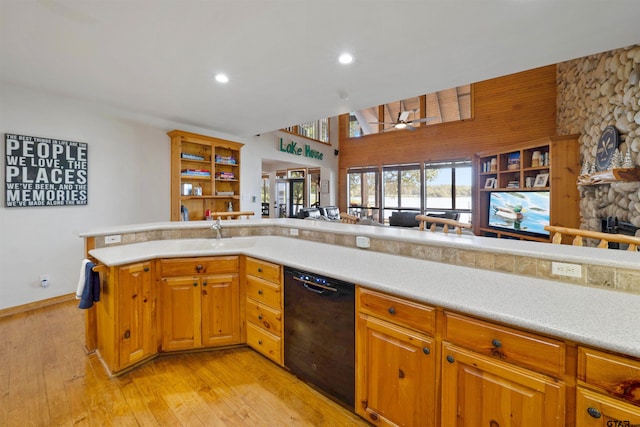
point(217, 226)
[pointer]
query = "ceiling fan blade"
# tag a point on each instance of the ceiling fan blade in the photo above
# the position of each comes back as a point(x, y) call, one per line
point(426, 119)
point(388, 129)
point(409, 127)
point(381, 123)
point(403, 116)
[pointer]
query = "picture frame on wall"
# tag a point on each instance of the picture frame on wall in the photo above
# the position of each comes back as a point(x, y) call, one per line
point(542, 179)
point(490, 183)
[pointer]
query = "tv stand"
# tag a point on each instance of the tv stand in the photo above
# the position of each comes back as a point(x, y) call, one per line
point(546, 164)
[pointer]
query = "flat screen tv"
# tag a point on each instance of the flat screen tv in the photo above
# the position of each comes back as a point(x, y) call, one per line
point(519, 211)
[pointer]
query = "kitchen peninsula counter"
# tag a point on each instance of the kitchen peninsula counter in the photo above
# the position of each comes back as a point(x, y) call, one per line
point(598, 317)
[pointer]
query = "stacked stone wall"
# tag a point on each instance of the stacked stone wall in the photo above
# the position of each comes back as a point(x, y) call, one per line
point(594, 92)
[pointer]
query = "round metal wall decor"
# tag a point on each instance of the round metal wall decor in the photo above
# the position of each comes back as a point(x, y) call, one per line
point(607, 145)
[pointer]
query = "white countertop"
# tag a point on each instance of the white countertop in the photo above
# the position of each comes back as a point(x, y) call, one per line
point(597, 317)
point(561, 253)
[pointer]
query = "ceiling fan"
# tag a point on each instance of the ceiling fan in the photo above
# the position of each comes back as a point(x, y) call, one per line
point(402, 122)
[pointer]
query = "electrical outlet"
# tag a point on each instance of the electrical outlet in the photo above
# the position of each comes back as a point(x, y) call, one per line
point(293, 232)
point(44, 280)
point(564, 269)
point(363, 242)
point(115, 238)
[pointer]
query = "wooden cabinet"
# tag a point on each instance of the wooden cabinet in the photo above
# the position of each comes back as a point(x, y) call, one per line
point(200, 302)
point(263, 308)
point(517, 169)
point(126, 316)
point(498, 376)
point(205, 175)
point(395, 361)
point(608, 392)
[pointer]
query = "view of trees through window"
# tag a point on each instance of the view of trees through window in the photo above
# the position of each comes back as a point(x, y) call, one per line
point(422, 188)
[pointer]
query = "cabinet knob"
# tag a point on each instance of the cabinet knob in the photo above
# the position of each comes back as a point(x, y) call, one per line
point(127, 334)
point(204, 284)
point(259, 316)
point(259, 342)
point(195, 284)
point(496, 343)
point(199, 267)
point(146, 269)
point(426, 350)
point(450, 359)
point(594, 412)
point(392, 310)
point(259, 291)
point(259, 270)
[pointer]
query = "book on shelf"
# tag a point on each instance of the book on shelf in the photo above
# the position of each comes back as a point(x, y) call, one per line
point(195, 172)
point(228, 160)
point(190, 156)
point(225, 175)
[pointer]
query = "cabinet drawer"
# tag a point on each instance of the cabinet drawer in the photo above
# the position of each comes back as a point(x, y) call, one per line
point(263, 269)
point(542, 354)
point(611, 373)
point(396, 310)
point(190, 266)
point(598, 410)
point(264, 342)
point(264, 292)
point(265, 317)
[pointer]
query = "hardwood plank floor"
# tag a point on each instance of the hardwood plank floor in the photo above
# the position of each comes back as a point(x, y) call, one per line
point(46, 379)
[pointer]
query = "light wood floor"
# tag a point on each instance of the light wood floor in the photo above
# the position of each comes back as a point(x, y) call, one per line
point(46, 379)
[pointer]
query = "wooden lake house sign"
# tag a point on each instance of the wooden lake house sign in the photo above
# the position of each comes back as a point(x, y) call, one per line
point(44, 172)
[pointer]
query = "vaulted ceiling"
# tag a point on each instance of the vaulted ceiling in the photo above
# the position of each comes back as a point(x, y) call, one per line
point(158, 58)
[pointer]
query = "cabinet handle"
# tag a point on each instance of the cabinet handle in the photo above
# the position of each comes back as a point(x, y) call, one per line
point(392, 310)
point(426, 350)
point(594, 412)
point(496, 343)
point(450, 359)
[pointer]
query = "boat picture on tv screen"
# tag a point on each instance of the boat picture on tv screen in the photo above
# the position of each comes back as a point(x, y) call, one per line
point(526, 211)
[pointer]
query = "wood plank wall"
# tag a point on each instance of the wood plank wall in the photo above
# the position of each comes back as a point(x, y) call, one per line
point(510, 109)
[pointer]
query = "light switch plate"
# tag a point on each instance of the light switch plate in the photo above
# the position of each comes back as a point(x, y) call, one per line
point(115, 238)
point(363, 242)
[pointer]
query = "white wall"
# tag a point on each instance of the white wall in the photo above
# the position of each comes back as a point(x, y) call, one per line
point(129, 180)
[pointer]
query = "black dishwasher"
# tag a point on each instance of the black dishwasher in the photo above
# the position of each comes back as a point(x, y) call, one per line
point(319, 333)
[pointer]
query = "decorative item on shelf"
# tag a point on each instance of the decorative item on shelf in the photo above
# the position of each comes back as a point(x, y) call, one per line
point(225, 193)
point(186, 189)
point(490, 183)
point(197, 191)
point(610, 176)
point(513, 162)
point(230, 207)
point(586, 168)
point(528, 182)
point(535, 159)
point(542, 180)
point(616, 160)
point(493, 165)
point(593, 169)
point(184, 213)
point(628, 160)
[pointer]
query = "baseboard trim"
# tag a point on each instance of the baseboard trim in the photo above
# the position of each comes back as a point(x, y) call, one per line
point(10, 311)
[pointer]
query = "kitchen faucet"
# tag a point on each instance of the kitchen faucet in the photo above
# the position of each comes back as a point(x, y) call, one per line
point(217, 226)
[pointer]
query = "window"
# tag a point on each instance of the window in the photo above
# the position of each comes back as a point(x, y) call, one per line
point(439, 107)
point(401, 186)
point(314, 188)
point(265, 188)
point(448, 188)
point(317, 130)
point(362, 185)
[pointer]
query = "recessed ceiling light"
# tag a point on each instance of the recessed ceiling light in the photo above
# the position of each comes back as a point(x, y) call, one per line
point(345, 58)
point(222, 78)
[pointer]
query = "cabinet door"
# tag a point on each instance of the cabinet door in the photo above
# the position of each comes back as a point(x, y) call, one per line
point(136, 313)
point(220, 309)
point(480, 391)
point(395, 377)
point(181, 313)
point(597, 410)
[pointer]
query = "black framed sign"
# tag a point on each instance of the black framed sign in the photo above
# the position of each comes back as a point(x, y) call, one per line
point(44, 171)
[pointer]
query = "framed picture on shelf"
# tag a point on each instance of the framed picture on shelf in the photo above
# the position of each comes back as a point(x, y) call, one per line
point(490, 183)
point(542, 179)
